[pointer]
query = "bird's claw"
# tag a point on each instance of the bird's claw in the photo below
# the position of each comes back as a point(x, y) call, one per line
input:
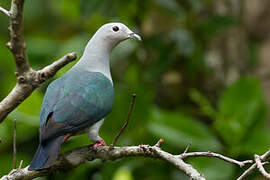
point(99, 143)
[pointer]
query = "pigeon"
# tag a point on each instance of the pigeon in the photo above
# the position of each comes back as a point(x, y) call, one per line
point(79, 101)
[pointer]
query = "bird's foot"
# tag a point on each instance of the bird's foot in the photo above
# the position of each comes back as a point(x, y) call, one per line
point(99, 143)
point(68, 135)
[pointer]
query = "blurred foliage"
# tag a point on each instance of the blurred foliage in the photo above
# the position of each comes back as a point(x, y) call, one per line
point(169, 73)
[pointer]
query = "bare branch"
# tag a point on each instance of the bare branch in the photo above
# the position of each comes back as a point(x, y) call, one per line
point(127, 120)
point(50, 70)
point(265, 155)
point(211, 154)
point(187, 148)
point(17, 44)
point(27, 79)
point(260, 166)
point(14, 145)
point(4, 11)
point(254, 166)
point(21, 163)
point(247, 172)
point(29, 82)
point(78, 156)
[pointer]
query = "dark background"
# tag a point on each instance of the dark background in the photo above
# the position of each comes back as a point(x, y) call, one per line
point(201, 75)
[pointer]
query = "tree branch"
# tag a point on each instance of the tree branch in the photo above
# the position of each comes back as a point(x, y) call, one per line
point(258, 164)
point(4, 11)
point(78, 156)
point(27, 78)
point(29, 82)
point(211, 154)
point(15, 145)
point(17, 44)
point(127, 121)
point(247, 172)
point(50, 70)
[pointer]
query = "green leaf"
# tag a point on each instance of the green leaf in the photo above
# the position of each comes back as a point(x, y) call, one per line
point(259, 138)
point(215, 24)
point(205, 106)
point(240, 107)
point(179, 130)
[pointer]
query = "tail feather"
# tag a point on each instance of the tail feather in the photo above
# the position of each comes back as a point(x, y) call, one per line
point(46, 154)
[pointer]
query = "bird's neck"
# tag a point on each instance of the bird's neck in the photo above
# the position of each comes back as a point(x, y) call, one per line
point(96, 57)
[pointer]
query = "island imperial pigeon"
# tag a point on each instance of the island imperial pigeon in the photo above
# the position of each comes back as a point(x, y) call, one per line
point(78, 101)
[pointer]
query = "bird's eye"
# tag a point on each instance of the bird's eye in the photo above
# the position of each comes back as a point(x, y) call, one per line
point(115, 28)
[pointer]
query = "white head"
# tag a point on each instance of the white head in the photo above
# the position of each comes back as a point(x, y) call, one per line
point(96, 55)
point(114, 33)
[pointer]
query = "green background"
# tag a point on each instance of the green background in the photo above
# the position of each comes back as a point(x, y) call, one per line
point(179, 95)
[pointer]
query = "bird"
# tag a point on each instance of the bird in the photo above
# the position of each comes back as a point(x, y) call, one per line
point(78, 101)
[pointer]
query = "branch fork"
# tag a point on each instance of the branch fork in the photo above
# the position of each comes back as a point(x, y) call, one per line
point(80, 155)
point(27, 78)
point(258, 163)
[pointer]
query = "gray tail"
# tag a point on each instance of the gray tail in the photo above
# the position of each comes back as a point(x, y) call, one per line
point(46, 154)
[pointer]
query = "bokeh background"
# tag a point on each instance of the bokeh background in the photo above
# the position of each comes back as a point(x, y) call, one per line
point(201, 75)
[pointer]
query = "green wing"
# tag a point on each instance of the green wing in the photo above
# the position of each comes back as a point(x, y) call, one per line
point(77, 100)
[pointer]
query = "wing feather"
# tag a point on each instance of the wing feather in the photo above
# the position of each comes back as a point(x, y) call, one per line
point(76, 101)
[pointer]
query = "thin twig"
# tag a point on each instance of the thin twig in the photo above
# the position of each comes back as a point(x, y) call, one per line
point(127, 120)
point(4, 11)
point(265, 155)
point(260, 166)
point(34, 78)
point(211, 154)
point(187, 148)
point(251, 168)
point(14, 145)
point(249, 171)
point(159, 143)
point(21, 163)
point(50, 70)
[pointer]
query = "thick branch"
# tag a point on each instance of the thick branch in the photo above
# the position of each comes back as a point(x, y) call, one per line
point(29, 82)
point(4, 11)
point(15, 97)
point(17, 44)
point(27, 78)
point(78, 156)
